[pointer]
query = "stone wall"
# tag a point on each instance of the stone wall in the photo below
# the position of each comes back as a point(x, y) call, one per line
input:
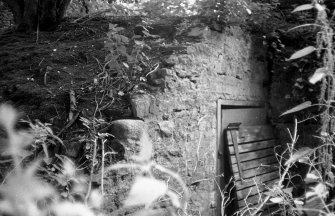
point(181, 116)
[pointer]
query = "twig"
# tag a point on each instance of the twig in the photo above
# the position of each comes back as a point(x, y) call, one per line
point(305, 25)
point(294, 139)
point(68, 124)
point(100, 65)
point(225, 202)
point(154, 70)
point(198, 181)
point(72, 104)
point(92, 171)
point(37, 31)
point(17, 168)
point(45, 77)
point(92, 15)
point(260, 206)
point(39, 64)
point(124, 166)
point(179, 180)
point(47, 70)
point(102, 165)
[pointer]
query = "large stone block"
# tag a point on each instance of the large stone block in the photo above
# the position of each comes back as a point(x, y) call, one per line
point(124, 129)
point(140, 105)
point(132, 134)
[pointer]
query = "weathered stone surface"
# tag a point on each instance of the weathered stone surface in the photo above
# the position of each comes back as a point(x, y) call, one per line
point(219, 66)
point(174, 153)
point(181, 116)
point(127, 129)
point(131, 134)
point(166, 128)
point(200, 31)
point(157, 78)
point(140, 105)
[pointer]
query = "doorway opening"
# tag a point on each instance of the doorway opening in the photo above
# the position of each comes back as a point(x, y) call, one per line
point(244, 137)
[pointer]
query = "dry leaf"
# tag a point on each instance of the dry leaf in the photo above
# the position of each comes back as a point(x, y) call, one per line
point(301, 106)
point(318, 75)
point(312, 177)
point(303, 7)
point(301, 53)
point(68, 168)
point(319, 190)
point(24, 190)
point(277, 200)
point(288, 191)
point(320, 7)
point(298, 202)
point(298, 154)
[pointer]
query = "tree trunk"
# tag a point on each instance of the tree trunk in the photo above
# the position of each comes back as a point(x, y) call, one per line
point(32, 14)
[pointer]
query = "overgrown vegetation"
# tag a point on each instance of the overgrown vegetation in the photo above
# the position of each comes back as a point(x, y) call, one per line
point(51, 183)
point(317, 197)
point(25, 192)
point(42, 184)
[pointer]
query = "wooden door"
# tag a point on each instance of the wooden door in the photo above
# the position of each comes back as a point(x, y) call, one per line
point(253, 163)
point(257, 168)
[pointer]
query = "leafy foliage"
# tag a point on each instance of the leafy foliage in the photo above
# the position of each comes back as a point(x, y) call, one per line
point(238, 12)
point(320, 159)
point(145, 185)
point(23, 193)
point(146, 189)
point(297, 108)
point(303, 7)
point(303, 52)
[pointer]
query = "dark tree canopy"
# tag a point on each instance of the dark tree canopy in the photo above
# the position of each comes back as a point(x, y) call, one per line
point(30, 14)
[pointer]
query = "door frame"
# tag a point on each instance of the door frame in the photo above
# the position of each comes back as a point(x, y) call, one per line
point(219, 151)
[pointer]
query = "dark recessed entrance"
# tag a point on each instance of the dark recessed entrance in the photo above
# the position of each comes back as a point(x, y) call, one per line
point(245, 145)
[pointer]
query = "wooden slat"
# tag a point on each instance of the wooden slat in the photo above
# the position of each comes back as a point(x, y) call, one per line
point(267, 210)
point(256, 172)
point(258, 162)
point(241, 194)
point(255, 163)
point(253, 133)
point(251, 200)
point(271, 209)
point(252, 146)
point(246, 116)
point(257, 180)
point(253, 155)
